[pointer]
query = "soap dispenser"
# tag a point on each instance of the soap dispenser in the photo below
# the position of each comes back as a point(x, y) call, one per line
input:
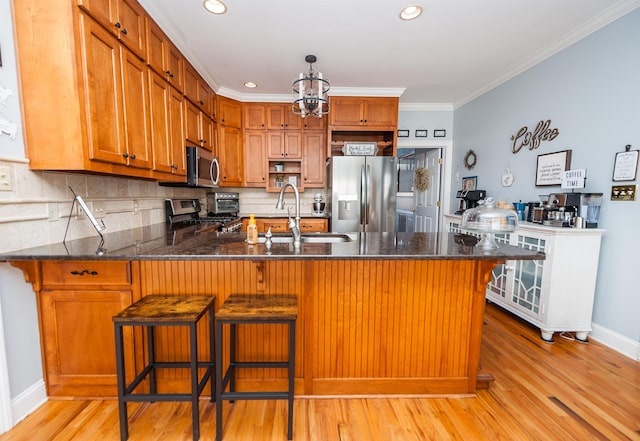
point(252, 231)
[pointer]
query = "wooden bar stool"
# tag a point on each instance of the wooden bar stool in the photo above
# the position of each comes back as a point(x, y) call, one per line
point(159, 310)
point(254, 309)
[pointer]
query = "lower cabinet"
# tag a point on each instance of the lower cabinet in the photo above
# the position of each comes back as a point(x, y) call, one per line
point(555, 294)
point(281, 225)
point(76, 303)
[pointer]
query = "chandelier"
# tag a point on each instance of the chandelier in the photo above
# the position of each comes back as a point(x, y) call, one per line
point(310, 93)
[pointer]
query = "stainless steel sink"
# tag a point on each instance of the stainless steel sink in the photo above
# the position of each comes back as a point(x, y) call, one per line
point(325, 238)
point(307, 237)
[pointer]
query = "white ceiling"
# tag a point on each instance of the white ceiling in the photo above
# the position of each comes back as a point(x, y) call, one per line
point(457, 49)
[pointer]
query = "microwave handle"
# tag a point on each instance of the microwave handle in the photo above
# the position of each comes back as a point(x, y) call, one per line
point(214, 161)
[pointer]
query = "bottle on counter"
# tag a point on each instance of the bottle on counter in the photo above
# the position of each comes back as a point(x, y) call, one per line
point(252, 231)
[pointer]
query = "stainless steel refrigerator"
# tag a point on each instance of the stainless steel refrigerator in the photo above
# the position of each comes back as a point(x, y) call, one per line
point(363, 193)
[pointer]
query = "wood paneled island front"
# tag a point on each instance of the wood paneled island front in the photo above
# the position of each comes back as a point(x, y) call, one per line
point(384, 313)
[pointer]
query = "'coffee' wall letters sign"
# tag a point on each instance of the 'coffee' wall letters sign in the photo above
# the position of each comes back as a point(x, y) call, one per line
point(525, 137)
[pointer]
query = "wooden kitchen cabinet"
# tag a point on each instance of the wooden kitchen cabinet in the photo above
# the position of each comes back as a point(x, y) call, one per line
point(163, 56)
point(116, 83)
point(358, 112)
point(255, 115)
point(76, 302)
point(282, 144)
point(123, 18)
point(281, 117)
point(313, 159)
point(229, 112)
point(255, 163)
point(167, 135)
point(231, 156)
point(281, 225)
point(196, 90)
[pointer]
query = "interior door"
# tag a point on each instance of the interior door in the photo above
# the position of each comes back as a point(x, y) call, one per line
point(426, 202)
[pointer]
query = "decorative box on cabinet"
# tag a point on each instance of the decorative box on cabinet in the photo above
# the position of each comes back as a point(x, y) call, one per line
point(555, 294)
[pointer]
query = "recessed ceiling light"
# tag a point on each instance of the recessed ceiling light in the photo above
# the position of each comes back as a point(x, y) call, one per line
point(411, 12)
point(250, 84)
point(215, 6)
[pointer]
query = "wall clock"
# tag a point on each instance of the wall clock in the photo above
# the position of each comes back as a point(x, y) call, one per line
point(507, 178)
point(470, 159)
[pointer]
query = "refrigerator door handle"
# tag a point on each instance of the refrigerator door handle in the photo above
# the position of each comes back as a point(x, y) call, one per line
point(367, 195)
point(363, 197)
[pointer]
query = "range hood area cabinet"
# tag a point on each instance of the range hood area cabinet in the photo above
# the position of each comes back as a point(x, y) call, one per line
point(363, 119)
point(91, 95)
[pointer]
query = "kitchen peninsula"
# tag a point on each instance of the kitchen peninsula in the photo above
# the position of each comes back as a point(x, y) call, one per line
point(381, 313)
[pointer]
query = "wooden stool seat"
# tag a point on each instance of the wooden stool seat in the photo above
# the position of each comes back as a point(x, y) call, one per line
point(254, 309)
point(159, 310)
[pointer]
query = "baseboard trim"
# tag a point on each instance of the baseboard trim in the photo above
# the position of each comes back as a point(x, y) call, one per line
point(615, 341)
point(28, 401)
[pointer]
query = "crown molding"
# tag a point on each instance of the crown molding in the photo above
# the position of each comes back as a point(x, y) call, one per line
point(425, 107)
point(367, 91)
point(596, 23)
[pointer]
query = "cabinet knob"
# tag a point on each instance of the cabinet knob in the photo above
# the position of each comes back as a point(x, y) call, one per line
point(201, 102)
point(133, 156)
point(125, 155)
point(124, 31)
point(118, 25)
point(509, 267)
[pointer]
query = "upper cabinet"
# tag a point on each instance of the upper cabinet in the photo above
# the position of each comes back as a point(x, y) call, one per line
point(229, 112)
point(255, 116)
point(164, 57)
point(123, 18)
point(358, 112)
point(197, 90)
point(280, 117)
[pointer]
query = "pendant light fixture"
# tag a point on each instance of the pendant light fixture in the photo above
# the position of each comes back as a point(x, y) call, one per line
point(310, 93)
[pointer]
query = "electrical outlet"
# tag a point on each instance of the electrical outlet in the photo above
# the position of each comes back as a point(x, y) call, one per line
point(136, 207)
point(52, 209)
point(5, 179)
point(80, 214)
point(99, 211)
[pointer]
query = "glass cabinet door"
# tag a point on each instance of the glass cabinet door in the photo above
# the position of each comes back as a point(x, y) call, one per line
point(527, 277)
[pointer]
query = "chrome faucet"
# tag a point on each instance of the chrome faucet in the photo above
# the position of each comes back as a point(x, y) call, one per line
point(294, 226)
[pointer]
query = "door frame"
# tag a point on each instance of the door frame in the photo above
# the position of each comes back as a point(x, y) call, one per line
point(446, 173)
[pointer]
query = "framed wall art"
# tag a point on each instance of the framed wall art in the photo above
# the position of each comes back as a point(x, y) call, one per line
point(550, 166)
point(625, 166)
point(470, 183)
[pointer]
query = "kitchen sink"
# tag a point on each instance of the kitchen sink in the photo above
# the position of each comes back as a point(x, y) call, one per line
point(307, 238)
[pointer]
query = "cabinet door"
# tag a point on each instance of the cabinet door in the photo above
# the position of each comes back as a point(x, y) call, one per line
point(293, 144)
point(313, 159)
point(254, 116)
point(346, 111)
point(130, 24)
point(526, 292)
point(103, 85)
point(175, 67)
point(229, 112)
point(136, 111)
point(380, 112)
point(230, 156)
point(157, 47)
point(313, 225)
point(190, 83)
point(204, 97)
point(311, 123)
point(176, 132)
point(104, 11)
point(79, 347)
point(192, 123)
point(159, 98)
point(255, 155)
point(208, 133)
point(276, 225)
point(275, 144)
point(275, 117)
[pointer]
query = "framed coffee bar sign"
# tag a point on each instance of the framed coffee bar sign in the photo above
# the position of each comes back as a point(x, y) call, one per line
point(550, 167)
point(625, 167)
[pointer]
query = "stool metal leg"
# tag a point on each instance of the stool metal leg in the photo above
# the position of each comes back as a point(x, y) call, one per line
point(292, 365)
point(122, 385)
point(152, 359)
point(232, 357)
point(218, 337)
point(195, 414)
point(212, 351)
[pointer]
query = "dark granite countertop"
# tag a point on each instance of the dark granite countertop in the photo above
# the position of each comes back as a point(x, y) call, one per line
point(156, 242)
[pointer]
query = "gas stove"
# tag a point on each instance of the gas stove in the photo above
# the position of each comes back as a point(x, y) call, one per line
point(182, 213)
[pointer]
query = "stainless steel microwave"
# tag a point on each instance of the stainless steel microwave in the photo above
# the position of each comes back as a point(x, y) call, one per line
point(203, 169)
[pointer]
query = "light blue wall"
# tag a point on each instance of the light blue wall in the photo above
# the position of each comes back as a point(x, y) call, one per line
point(429, 120)
point(591, 93)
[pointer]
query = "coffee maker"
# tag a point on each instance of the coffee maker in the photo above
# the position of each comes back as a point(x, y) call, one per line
point(469, 199)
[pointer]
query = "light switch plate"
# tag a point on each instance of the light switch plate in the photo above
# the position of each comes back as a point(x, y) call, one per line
point(624, 192)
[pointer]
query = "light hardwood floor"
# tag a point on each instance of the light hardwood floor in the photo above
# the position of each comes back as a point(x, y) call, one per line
point(564, 391)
